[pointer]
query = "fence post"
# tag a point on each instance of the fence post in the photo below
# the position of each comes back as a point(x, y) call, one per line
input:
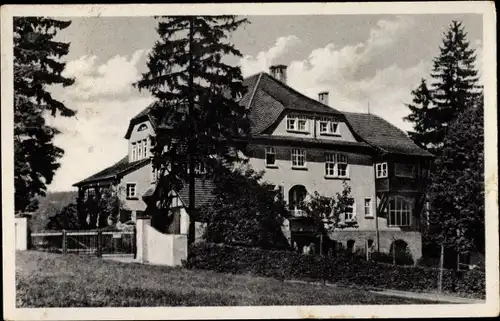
point(64, 242)
point(440, 283)
point(99, 243)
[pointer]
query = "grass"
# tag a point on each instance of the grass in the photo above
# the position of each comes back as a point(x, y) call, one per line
point(54, 280)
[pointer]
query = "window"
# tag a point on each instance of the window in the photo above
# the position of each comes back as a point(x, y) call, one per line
point(368, 207)
point(291, 123)
point(134, 151)
point(350, 212)
point(139, 150)
point(270, 156)
point(336, 165)
point(399, 212)
point(297, 123)
point(298, 158)
point(302, 123)
point(145, 148)
point(131, 191)
point(327, 126)
point(154, 175)
point(381, 170)
point(142, 127)
point(404, 170)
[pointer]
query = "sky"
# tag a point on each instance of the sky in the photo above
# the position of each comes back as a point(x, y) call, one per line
point(364, 61)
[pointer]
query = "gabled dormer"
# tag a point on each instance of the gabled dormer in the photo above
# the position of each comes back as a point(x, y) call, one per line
point(139, 133)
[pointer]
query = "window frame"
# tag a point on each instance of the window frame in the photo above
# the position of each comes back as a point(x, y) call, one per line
point(399, 211)
point(329, 122)
point(301, 154)
point(353, 213)
point(134, 151)
point(270, 151)
point(296, 120)
point(128, 196)
point(381, 165)
point(369, 207)
point(333, 159)
point(142, 127)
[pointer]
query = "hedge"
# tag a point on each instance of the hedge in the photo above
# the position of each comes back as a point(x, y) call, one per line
point(341, 270)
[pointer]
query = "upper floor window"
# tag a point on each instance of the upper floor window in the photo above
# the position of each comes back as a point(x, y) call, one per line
point(134, 151)
point(142, 127)
point(298, 158)
point(131, 190)
point(297, 123)
point(140, 149)
point(328, 126)
point(399, 212)
point(336, 165)
point(404, 170)
point(270, 156)
point(381, 170)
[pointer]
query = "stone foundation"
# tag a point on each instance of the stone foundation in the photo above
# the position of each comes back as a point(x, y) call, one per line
point(386, 238)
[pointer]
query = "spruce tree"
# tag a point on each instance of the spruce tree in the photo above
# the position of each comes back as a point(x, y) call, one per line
point(454, 88)
point(196, 101)
point(457, 184)
point(37, 65)
point(420, 116)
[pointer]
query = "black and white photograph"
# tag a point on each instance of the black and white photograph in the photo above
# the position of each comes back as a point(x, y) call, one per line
point(249, 161)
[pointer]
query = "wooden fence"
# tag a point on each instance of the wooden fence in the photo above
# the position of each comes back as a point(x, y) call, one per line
point(92, 242)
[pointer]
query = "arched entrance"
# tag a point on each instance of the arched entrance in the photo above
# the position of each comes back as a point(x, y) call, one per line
point(401, 253)
point(296, 197)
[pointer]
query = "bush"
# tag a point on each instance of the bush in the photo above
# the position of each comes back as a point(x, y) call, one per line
point(342, 269)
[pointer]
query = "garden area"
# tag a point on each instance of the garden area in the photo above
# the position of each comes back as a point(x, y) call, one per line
point(54, 280)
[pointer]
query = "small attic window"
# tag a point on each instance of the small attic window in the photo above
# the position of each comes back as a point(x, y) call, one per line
point(142, 127)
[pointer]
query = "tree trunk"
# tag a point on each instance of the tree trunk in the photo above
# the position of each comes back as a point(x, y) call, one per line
point(440, 281)
point(192, 195)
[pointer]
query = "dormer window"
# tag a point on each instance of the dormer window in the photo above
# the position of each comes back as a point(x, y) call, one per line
point(140, 149)
point(142, 127)
point(297, 123)
point(328, 126)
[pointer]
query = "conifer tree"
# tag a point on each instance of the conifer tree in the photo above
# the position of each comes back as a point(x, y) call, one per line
point(37, 64)
point(454, 87)
point(196, 101)
point(457, 186)
point(420, 108)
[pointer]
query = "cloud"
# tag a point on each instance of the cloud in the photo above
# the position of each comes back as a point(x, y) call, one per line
point(251, 65)
point(339, 70)
point(113, 78)
point(105, 101)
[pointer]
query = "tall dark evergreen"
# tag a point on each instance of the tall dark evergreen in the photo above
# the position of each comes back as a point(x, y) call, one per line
point(196, 101)
point(454, 87)
point(37, 65)
point(420, 116)
point(457, 184)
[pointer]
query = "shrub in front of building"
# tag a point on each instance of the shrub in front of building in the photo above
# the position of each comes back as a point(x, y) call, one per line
point(343, 270)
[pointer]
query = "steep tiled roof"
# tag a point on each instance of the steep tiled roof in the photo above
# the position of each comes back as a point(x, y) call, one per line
point(118, 168)
point(203, 193)
point(380, 133)
point(269, 97)
point(143, 115)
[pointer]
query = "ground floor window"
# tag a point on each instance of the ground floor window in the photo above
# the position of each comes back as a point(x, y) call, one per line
point(400, 211)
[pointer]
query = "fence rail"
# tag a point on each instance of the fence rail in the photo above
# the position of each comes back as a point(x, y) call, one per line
point(92, 242)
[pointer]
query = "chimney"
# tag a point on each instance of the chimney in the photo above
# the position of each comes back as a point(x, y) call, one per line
point(278, 72)
point(323, 97)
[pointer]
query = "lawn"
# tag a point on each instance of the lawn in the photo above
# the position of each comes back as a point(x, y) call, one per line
point(54, 280)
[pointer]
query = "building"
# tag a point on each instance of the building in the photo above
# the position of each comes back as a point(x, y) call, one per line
point(305, 145)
